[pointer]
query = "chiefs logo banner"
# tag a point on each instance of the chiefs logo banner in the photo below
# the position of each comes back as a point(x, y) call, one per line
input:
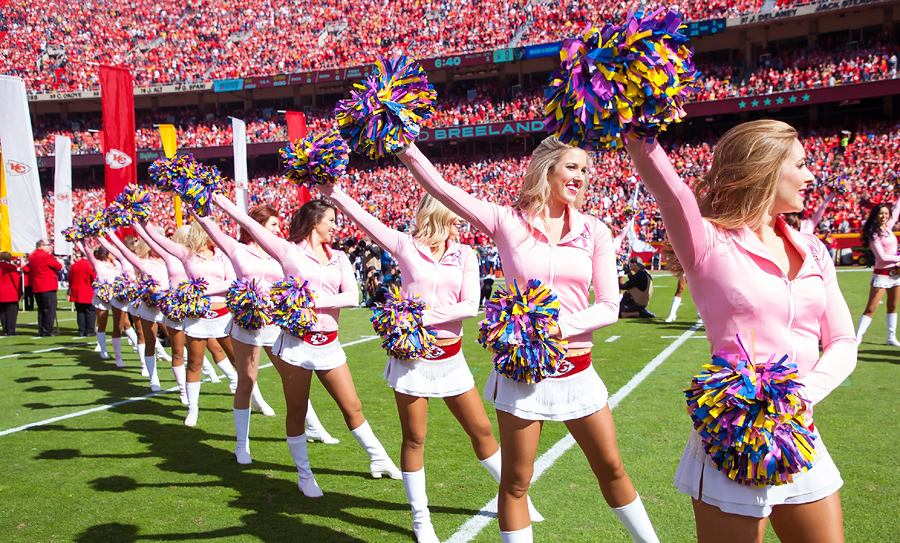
point(117, 105)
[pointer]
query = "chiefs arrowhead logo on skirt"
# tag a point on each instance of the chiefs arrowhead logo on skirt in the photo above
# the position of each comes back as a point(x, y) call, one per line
point(117, 159)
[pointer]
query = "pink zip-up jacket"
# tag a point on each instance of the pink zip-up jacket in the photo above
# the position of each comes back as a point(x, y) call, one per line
point(245, 260)
point(449, 286)
point(126, 267)
point(584, 255)
point(333, 283)
point(217, 270)
point(739, 288)
point(149, 267)
point(174, 267)
point(808, 226)
point(105, 270)
point(884, 243)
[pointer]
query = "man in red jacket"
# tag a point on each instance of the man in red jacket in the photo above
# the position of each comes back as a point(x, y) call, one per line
point(42, 270)
point(81, 275)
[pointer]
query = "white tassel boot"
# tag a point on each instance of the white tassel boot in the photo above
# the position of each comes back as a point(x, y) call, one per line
point(180, 378)
point(193, 394)
point(242, 431)
point(414, 484)
point(379, 461)
point(306, 482)
point(117, 350)
point(315, 431)
point(634, 517)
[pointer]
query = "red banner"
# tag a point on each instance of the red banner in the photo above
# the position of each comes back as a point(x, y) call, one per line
point(117, 104)
point(296, 124)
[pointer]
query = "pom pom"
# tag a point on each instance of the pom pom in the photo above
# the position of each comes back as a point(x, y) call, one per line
point(249, 304)
point(124, 289)
point(622, 258)
point(135, 201)
point(319, 159)
point(515, 328)
point(73, 233)
point(635, 76)
point(628, 212)
point(147, 289)
point(93, 224)
point(164, 172)
point(399, 323)
point(186, 300)
point(749, 418)
point(839, 183)
point(292, 306)
point(116, 216)
point(193, 181)
point(387, 110)
point(103, 290)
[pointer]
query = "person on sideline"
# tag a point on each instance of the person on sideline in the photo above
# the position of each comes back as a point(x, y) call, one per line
point(10, 293)
point(638, 290)
point(81, 276)
point(878, 235)
point(42, 272)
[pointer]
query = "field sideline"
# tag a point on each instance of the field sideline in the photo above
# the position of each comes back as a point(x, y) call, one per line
point(134, 473)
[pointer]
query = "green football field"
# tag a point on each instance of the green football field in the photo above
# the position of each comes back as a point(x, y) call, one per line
point(122, 467)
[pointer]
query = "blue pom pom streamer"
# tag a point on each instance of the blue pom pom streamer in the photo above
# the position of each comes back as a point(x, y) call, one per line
point(321, 159)
point(147, 288)
point(249, 304)
point(399, 323)
point(386, 111)
point(292, 303)
point(621, 81)
point(749, 418)
point(123, 289)
point(73, 233)
point(93, 224)
point(187, 301)
point(516, 328)
point(135, 201)
point(103, 290)
point(194, 182)
point(840, 184)
point(116, 216)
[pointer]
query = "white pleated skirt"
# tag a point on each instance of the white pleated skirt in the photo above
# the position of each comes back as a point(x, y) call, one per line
point(562, 399)
point(885, 281)
point(204, 328)
point(296, 352)
point(151, 314)
point(264, 337)
point(430, 378)
point(172, 325)
point(100, 304)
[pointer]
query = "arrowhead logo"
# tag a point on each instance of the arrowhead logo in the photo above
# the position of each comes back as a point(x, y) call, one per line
point(117, 159)
point(16, 168)
point(62, 197)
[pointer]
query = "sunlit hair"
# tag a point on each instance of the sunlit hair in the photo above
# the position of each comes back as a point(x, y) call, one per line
point(197, 239)
point(181, 235)
point(141, 249)
point(130, 242)
point(534, 196)
point(260, 214)
point(433, 222)
point(6, 256)
point(305, 219)
point(871, 227)
point(101, 253)
point(739, 189)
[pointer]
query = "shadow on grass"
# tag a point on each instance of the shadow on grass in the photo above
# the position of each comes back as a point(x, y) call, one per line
point(882, 353)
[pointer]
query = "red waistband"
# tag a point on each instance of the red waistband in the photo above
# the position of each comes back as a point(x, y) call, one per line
point(442, 352)
point(887, 271)
point(570, 366)
point(319, 338)
point(216, 313)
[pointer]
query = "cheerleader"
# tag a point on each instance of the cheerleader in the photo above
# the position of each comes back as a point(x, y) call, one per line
point(750, 271)
point(128, 306)
point(878, 235)
point(250, 262)
point(107, 269)
point(543, 236)
point(202, 260)
point(445, 275)
point(306, 254)
point(808, 226)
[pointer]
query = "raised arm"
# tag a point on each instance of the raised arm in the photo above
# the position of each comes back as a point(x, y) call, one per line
point(125, 252)
point(895, 214)
point(386, 237)
point(816, 217)
point(89, 254)
point(469, 296)
point(878, 250)
point(484, 215)
point(349, 294)
point(225, 242)
point(170, 260)
point(617, 241)
point(126, 265)
point(277, 247)
point(177, 250)
point(687, 231)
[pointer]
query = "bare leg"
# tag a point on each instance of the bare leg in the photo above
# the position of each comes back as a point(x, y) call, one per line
point(339, 383)
point(295, 381)
point(596, 435)
point(195, 351)
point(246, 363)
point(413, 411)
point(177, 339)
point(816, 522)
point(713, 523)
point(469, 411)
point(518, 449)
point(875, 295)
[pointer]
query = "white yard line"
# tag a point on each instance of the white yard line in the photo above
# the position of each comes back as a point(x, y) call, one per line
point(610, 339)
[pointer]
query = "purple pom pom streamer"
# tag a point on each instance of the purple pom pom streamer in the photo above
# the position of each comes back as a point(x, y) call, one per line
point(292, 306)
point(749, 418)
point(146, 290)
point(124, 289)
point(196, 183)
point(187, 300)
point(116, 216)
point(399, 323)
point(249, 304)
point(103, 290)
point(516, 328)
point(73, 233)
point(319, 159)
point(635, 75)
point(386, 111)
point(93, 224)
point(135, 201)
point(839, 183)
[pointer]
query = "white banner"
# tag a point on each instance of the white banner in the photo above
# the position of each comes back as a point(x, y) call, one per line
point(239, 141)
point(62, 195)
point(23, 187)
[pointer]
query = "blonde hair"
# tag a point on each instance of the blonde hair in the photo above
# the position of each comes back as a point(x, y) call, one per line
point(433, 222)
point(181, 235)
point(141, 249)
point(739, 189)
point(535, 193)
point(197, 239)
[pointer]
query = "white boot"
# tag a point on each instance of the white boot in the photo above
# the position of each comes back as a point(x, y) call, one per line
point(414, 484)
point(210, 371)
point(230, 372)
point(676, 303)
point(131, 335)
point(101, 345)
point(242, 431)
point(379, 461)
point(179, 373)
point(161, 353)
point(150, 363)
point(315, 431)
point(193, 394)
point(864, 322)
point(306, 482)
point(257, 402)
point(117, 350)
point(892, 330)
point(634, 517)
point(492, 464)
point(144, 372)
point(524, 535)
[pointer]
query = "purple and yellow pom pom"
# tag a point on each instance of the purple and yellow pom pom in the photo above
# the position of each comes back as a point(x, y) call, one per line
point(292, 307)
point(116, 216)
point(196, 183)
point(187, 300)
point(386, 111)
point(622, 258)
point(93, 224)
point(73, 233)
point(319, 159)
point(839, 183)
point(621, 81)
point(103, 290)
point(146, 289)
point(749, 418)
point(516, 328)
point(123, 289)
point(249, 304)
point(164, 172)
point(136, 202)
point(399, 323)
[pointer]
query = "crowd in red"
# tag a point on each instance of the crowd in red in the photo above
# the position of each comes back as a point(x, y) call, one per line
point(870, 157)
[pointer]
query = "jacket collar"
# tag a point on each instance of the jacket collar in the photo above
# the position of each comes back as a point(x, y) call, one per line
point(307, 250)
point(748, 240)
point(575, 220)
point(451, 254)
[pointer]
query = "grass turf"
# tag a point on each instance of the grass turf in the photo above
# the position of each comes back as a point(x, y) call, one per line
point(135, 473)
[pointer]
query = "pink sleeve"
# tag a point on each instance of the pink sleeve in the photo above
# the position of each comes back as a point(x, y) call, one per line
point(127, 266)
point(895, 214)
point(388, 238)
point(817, 216)
point(467, 307)
point(89, 254)
point(839, 344)
point(686, 229)
point(175, 249)
point(605, 310)
point(123, 251)
point(483, 215)
point(167, 257)
point(878, 250)
point(225, 242)
point(349, 295)
point(277, 247)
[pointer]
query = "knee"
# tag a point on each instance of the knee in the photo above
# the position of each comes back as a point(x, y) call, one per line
point(515, 482)
point(613, 470)
point(414, 440)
